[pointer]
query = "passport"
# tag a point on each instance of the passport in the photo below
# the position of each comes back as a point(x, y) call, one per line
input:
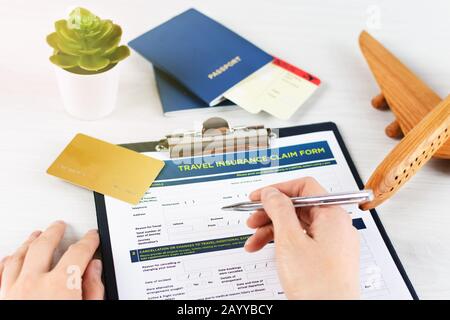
point(178, 100)
point(201, 54)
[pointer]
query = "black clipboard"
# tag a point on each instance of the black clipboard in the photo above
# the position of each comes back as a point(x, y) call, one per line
point(102, 220)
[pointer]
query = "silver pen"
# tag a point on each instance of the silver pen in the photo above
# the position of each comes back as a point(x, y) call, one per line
point(325, 200)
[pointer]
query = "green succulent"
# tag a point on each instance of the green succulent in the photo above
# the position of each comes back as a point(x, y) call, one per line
point(86, 44)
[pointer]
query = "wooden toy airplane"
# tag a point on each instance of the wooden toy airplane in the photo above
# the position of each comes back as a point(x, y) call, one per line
point(409, 98)
point(421, 116)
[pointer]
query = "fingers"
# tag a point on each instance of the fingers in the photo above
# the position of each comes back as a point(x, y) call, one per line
point(14, 263)
point(80, 253)
point(261, 237)
point(258, 219)
point(280, 210)
point(93, 288)
point(264, 234)
point(302, 187)
point(40, 253)
point(2, 266)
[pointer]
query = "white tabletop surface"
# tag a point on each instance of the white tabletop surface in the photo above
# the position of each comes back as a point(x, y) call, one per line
point(319, 36)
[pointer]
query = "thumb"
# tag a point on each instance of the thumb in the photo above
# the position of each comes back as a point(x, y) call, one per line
point(93, 288)
point(280, 210)
point(2, 266)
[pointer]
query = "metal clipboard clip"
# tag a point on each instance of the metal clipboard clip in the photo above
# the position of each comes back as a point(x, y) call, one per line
point(215, 137)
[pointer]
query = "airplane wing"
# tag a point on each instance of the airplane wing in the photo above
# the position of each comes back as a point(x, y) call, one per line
point(409, 98)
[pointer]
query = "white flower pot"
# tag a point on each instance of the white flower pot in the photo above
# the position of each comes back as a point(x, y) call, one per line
point(88, 97)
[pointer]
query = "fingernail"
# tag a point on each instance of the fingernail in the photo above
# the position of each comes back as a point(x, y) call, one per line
point(35, 234)
point(93, 231)
point(248, 241)
point(98, 266)
point(59, 222)
point(269, 191)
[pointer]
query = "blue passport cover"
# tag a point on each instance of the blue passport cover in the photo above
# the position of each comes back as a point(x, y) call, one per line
point(203, 55)
point(174, 97)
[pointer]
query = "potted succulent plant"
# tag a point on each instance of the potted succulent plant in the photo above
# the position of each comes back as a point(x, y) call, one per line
point(86, 52)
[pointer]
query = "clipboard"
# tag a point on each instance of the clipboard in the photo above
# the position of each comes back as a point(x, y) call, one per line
point(263, 140)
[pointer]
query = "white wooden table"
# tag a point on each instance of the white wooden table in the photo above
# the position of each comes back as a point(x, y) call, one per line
point(319, 36)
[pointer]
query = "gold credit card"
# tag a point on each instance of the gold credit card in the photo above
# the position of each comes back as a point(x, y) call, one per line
point(106, 168)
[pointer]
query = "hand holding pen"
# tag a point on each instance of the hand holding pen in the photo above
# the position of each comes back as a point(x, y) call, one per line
point(316, 248)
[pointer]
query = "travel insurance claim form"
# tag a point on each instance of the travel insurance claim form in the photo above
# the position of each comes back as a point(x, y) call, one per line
point(178, 243)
